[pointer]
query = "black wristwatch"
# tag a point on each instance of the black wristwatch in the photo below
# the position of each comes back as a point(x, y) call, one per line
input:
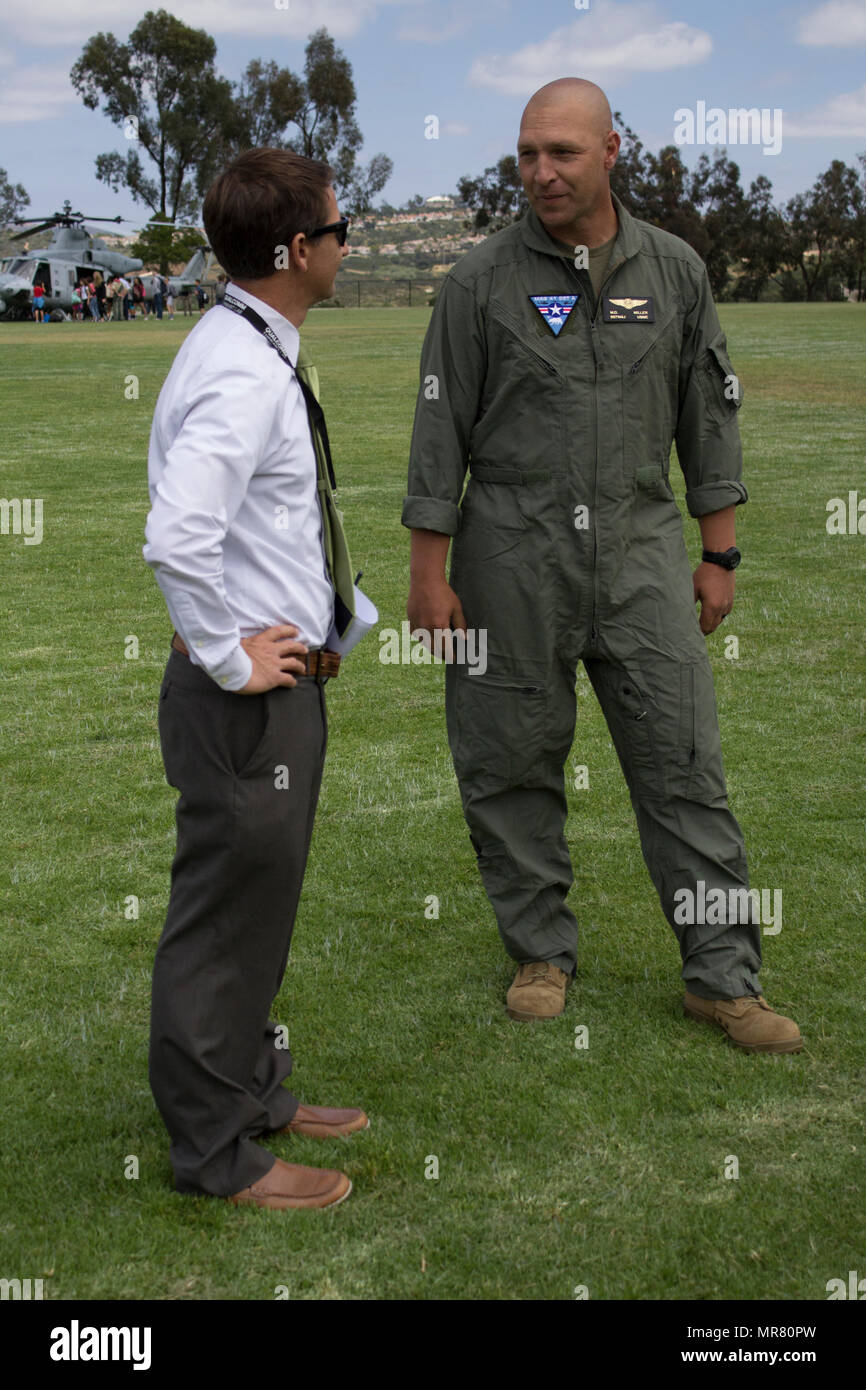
point(728, 559)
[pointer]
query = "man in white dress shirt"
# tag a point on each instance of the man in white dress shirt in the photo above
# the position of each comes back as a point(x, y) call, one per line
point(234, 537)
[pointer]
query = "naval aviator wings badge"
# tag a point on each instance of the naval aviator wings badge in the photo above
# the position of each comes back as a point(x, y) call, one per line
point(629, 310)
point(554, 309)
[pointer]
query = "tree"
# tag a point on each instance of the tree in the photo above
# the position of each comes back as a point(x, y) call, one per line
point(320, 106)
point(162, 89)
point(328, 129)
point(14, 198)
point(268, 98)
point(628, 177)
point(496, 197)
point(762, 240)
point(720, 202)
point(820, 224)
point(858, 230)
point(165, 245)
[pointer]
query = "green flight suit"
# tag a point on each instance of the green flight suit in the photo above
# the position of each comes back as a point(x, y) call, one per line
point(548, 425)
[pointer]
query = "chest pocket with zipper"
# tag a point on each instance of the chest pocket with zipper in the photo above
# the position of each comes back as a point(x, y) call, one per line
point(649, 374)
point(520, 423)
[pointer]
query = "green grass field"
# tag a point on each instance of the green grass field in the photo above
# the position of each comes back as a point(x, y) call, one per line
point(558, 1167)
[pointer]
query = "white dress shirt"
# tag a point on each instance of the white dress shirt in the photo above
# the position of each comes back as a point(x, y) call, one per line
point(234, 534)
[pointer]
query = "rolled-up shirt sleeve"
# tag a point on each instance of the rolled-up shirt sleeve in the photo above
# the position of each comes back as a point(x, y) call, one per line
point(453, 367)
point(204, 479)
point(710, 397)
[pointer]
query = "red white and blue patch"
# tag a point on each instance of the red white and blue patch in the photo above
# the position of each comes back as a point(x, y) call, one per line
point(554, 309)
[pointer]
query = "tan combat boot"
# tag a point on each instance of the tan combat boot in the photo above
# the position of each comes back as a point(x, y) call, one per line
point(749, 1022)
point(538, 991)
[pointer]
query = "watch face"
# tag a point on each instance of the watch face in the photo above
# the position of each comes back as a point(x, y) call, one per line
point(734, 558)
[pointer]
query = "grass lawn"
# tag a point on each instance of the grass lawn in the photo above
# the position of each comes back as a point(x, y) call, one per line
point(558, 1167)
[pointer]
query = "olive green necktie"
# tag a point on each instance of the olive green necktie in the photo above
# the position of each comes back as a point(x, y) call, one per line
point(337, 558)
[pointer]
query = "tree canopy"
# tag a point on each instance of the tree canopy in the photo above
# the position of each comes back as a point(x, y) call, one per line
point(184, 122)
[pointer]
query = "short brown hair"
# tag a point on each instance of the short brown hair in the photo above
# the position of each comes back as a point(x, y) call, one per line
point(260, 202)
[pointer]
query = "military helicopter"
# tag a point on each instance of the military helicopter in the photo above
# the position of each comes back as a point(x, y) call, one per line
point(72, 256)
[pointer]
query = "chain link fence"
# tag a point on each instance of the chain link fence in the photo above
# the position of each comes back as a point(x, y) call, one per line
point(351, 293)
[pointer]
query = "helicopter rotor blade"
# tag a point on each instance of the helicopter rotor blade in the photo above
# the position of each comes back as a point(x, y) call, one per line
point(32, 231)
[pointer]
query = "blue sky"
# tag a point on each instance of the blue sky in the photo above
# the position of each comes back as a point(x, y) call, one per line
point(472, 64)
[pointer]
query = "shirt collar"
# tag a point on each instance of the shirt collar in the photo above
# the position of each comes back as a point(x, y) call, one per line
point(627, 243)
point(287, 333)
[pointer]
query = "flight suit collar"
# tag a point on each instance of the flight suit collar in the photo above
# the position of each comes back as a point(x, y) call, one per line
point(627, 243)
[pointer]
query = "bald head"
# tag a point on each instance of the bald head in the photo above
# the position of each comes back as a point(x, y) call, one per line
point(571, 96)
point(565, 151)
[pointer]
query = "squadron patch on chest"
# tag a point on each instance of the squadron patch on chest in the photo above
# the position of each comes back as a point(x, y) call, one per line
point(554, 309)
point(629, 310)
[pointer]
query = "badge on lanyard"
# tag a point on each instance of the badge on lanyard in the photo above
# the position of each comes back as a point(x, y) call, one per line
point(554, 309)
point(629, 310)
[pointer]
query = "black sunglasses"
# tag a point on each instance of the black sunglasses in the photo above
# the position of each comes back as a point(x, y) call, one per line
point(340, 230)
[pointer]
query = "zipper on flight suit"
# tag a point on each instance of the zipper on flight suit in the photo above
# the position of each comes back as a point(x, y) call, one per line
point(636, 366)
point(611, 271)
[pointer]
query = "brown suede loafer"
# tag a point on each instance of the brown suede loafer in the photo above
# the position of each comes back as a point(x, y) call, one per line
point(292, 1185)
point(749, 1022)
point(324, 1122)
point(538, 991)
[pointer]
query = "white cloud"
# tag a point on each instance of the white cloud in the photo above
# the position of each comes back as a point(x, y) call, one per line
point(843, 117)
point(437, 22)
point(840, 23)
point(608, 41)
point(36, 94)
point(74, 21)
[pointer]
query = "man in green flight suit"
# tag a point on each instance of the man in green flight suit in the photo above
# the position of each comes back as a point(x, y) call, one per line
point(563, 357)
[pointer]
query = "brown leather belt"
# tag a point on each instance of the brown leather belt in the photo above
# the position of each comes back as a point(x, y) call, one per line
point(320, 663)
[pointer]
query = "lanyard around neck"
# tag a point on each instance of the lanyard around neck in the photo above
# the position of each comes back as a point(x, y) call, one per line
point(314, 409)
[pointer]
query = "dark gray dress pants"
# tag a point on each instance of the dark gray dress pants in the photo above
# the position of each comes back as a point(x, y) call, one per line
point(248, 769)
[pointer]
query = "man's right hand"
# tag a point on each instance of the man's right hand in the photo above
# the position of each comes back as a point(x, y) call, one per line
point(433, 604)
point(274, 656)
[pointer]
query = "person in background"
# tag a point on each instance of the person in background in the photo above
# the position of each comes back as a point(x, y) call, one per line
point(169, 299)
point(158, 284)
point(220, 292)
point(201, 296)
point(76, 304)
point(125, 291)
point(138, 296)
point(99, 286)
point(39, 302)
point(109, 300)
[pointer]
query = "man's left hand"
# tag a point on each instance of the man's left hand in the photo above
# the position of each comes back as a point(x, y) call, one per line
point(714, 590)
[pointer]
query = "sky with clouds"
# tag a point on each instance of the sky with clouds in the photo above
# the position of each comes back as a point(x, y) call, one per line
point(472, 64)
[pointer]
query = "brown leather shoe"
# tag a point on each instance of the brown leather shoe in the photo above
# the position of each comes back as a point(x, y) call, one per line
point(538, 991)
point(323, 1122)
point(292, 1185)
point(749, 1022)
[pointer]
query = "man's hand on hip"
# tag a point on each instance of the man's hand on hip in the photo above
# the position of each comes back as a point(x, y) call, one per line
point(274, 656)
point(714, 590)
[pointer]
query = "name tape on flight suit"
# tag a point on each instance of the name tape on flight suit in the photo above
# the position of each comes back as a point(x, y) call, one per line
point(554, 309)
point(629, 310)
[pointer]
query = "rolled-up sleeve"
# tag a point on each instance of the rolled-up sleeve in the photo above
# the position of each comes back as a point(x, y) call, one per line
point(453, 367)
point(710, 397)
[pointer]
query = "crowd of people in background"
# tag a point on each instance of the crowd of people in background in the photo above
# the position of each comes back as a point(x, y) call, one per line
point(124, 297)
